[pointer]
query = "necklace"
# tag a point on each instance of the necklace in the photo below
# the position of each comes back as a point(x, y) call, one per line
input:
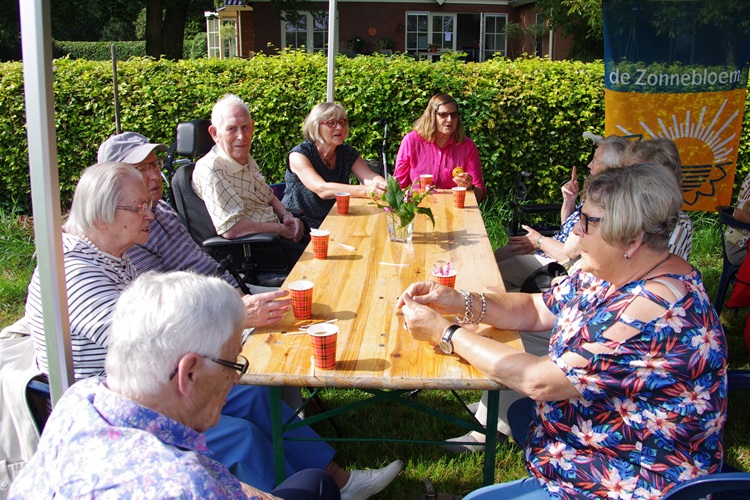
point(118, 267)
point(654, 268)
point(327, 161)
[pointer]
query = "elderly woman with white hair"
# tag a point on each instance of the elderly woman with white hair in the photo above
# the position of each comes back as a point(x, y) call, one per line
point(631, 396)
point(139, 431)
point(111, 212)
point(320, 166)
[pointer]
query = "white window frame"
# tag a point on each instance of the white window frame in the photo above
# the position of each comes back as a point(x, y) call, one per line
point(439, 37)
point(414, 48)
point(486, 52)
point(229, 45)
point(213, 37)
point(309, 33)
point(433, 35)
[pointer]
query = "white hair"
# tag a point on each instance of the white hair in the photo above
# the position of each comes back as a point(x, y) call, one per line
point(225, 103)
point(161, 317)
point(97, 195)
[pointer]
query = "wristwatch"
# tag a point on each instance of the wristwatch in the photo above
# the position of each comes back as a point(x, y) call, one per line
point(445, 342)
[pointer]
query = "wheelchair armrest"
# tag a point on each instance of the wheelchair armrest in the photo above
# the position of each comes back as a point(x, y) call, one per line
point(218, 241)
point(297, 212)
point(738, 379)
point(543, 207)
point(726, 216)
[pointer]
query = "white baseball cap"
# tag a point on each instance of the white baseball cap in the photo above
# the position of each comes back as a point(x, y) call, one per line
point(128, 147)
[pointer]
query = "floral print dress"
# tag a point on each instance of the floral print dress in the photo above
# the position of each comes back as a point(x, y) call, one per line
point(651, 412)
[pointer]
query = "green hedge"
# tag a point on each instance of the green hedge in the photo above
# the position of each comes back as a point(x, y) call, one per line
point(98, 51)
point(522, 114)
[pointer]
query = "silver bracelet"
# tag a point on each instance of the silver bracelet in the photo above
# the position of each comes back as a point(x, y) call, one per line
point(484, 308)
point(468, 308)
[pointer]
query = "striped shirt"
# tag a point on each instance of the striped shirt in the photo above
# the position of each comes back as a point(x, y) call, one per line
point(169, 247)
point(681, 239)
point(232, 192)
point(93, 284)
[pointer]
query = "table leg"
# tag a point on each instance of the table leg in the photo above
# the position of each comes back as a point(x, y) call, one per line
point(490, 448)
point(277, 434)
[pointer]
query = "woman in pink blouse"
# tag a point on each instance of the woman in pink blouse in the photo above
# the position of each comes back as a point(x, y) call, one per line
point(437, 145)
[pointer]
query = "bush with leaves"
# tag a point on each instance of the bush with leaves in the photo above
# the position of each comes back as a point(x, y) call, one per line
point(526, 114)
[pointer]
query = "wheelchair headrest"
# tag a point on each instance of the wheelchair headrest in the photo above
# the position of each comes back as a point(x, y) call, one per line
point(193, 139)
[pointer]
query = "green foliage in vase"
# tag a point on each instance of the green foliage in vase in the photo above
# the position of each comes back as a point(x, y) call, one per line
point(403, 204)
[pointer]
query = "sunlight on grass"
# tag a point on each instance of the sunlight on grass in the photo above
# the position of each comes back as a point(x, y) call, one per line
point(16, 264)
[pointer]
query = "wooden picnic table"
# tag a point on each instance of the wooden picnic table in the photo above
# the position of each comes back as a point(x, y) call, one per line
point(359, 285)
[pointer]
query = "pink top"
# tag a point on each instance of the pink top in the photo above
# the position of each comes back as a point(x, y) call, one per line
point(417, 156)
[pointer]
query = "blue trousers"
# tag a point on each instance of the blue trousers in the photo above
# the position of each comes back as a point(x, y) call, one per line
point(309, 484)
point(242, 440)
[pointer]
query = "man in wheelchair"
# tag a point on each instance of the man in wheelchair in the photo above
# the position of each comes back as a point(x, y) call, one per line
point(230, 183)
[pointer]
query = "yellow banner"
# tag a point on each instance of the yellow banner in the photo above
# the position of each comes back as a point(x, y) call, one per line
point(705, 127)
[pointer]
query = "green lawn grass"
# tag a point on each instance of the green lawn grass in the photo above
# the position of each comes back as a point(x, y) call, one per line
point(451, 473)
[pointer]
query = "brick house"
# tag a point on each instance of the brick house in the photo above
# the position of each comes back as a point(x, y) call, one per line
point(423, 28)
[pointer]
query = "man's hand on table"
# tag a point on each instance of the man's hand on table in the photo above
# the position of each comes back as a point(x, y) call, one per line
point(265, 309)
point(292, 229)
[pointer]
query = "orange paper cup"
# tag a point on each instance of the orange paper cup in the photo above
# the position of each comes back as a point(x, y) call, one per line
point(301, 292)
point(323, 337)
point(342, 202)
point(459, 196)
point(320, 243)
point(449, 280)
point(425, 180)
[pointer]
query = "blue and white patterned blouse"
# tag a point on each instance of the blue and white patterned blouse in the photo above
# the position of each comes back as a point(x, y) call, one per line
point(98, 444)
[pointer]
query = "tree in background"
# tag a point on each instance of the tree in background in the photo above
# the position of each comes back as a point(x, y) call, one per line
point(580, 18)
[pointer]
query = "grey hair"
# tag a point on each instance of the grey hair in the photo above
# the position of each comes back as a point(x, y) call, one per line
point(323, 111)
point(643, 199)
point(97, 195)
point(662, 151)
point(161, 317)
point(612, 148)
point(226, 102)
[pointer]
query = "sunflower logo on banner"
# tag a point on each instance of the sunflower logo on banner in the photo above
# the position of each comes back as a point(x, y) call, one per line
point(678, 69)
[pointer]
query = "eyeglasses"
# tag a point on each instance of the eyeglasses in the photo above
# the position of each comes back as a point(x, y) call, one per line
point(585, 220)
point(445, 114)
point(332, 123)
point(140, 209)
point(241, 365)
point(154, 165)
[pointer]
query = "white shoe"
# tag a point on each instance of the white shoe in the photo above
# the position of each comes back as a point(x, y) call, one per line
point(473, 407)
point(362, 484)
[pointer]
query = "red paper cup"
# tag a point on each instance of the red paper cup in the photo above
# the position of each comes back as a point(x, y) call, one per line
point(301, 292)
point(320, 243)
point(323, 337)
point(342, 202)
point(425, 180)
point(449, 280)
point(459, 196)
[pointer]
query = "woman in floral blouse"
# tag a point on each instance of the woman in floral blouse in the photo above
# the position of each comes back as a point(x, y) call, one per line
point(632, 395)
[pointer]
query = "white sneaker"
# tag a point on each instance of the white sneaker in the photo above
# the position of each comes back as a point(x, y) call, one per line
point(363, 484)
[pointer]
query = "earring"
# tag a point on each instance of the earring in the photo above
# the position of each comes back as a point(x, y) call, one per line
point(626, 255)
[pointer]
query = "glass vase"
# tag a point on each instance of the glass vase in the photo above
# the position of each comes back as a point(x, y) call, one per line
point(397, 232)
